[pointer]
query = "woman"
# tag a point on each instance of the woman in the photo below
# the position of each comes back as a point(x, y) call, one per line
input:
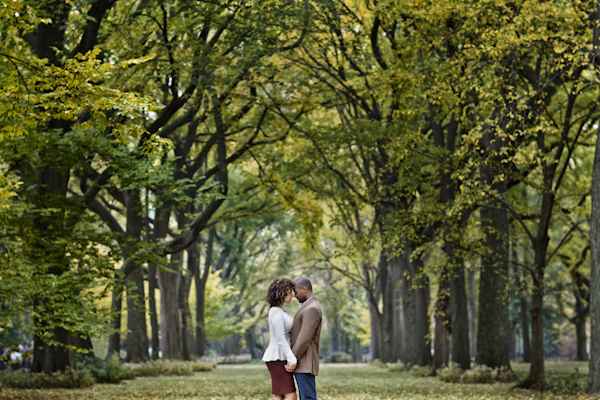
point(279, 356)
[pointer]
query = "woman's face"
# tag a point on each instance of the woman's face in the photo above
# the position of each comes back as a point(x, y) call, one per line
point(288, 297)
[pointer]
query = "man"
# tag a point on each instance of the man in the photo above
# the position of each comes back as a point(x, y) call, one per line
point(306, 332)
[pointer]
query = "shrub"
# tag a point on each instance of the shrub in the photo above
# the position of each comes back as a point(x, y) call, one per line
point(162, 367)
point(377, 363)
point(340, 357)
point(105, 371)
point(69, 379)
point(417, 370)
point(398, 367)
point(479, 374)
point(201, 366)
point(451, 374)
point(505, 375)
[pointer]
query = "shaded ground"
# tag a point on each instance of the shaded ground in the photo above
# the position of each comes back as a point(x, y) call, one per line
point(335, 382)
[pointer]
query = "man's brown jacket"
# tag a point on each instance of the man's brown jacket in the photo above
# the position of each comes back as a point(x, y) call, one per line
point(306, 332)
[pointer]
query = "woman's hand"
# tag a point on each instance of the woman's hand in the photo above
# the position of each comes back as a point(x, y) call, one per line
point(290, 367)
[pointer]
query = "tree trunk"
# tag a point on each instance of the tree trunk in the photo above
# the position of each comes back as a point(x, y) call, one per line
point(472, 311)
point(390, 306)
point(187, 339)
point(200, 283)
point(137, 337)
point(594, 374)
point(524, 312)
point(441, 344)
point(170, 318)
point(152, 287)
point(536, 379)
point(581, 335)
point(114, 339)
point(49, 359)
point(459, 315)
point(493, 330)
point(512, 348)
point(422, 299)
point(335, 334)
point(377, 349)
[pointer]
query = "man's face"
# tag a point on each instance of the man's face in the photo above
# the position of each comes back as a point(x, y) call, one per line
point(299, 293)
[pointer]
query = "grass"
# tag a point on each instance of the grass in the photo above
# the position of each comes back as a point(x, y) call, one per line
point(335, 382)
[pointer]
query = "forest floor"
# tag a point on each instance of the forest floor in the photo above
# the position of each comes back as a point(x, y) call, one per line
point(335, 382)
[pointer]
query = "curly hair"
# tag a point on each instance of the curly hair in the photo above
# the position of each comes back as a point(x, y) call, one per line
point(278, 289)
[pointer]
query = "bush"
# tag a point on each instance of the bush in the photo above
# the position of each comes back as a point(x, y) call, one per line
point(398, 367)
point(505, 375)
point(479, 374)
point(69, 379)
point(201, 366)
point(417, 370)
point(451, 374)
point(163, 367)
point(105, 371)
point(339, 357)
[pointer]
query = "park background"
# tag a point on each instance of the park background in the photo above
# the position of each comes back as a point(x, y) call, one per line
point(430, 166)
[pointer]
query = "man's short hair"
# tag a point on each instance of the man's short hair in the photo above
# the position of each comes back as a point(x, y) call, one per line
point(304, 282)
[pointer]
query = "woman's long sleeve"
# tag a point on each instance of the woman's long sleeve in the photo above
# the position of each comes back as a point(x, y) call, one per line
point(279, 325)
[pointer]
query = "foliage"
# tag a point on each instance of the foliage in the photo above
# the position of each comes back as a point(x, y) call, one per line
point(450, 374)
point(104, 371)
point(219, 303)
point(169, 368)
point(477, 374)
point(69, 379)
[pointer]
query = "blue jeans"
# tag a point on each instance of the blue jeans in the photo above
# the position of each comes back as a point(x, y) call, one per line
point(306, 386)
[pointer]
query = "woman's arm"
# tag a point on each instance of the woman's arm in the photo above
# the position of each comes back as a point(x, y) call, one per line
point(279, 327)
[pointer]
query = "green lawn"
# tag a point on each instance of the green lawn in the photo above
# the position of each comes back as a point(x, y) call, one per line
point(336, 382)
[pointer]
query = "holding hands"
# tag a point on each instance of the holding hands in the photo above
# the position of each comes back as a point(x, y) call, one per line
point(290, 367)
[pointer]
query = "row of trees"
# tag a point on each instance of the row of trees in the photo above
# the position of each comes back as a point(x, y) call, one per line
point(408, 143)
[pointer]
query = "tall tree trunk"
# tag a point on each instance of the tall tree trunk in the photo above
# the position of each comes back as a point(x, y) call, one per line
point(390, 306)
point(154, 327)
point(536, 378)
point(200, 283)
point(594, 374)
point(170, 318)
point(524, 313)
point(152, 284)
point(459, 314)
point(581, 335)
point(114, 339)
point(422, 354)
point(137, 337)
point(377, 348)
point(49, 359)
point(189, 346)
point(441, 344)
point(524, 308)
point(472, 311)
point(493, 330)
point(335, 334)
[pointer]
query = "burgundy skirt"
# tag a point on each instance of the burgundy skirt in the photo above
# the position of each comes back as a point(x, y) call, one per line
point(281, 380)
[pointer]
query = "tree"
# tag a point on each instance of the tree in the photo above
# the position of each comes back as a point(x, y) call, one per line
point(64, 115)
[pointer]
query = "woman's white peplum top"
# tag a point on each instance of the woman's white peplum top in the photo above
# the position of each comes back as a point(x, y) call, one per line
point(280, 327)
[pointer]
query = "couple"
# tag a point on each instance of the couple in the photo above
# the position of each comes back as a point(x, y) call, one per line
point(294, 342)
